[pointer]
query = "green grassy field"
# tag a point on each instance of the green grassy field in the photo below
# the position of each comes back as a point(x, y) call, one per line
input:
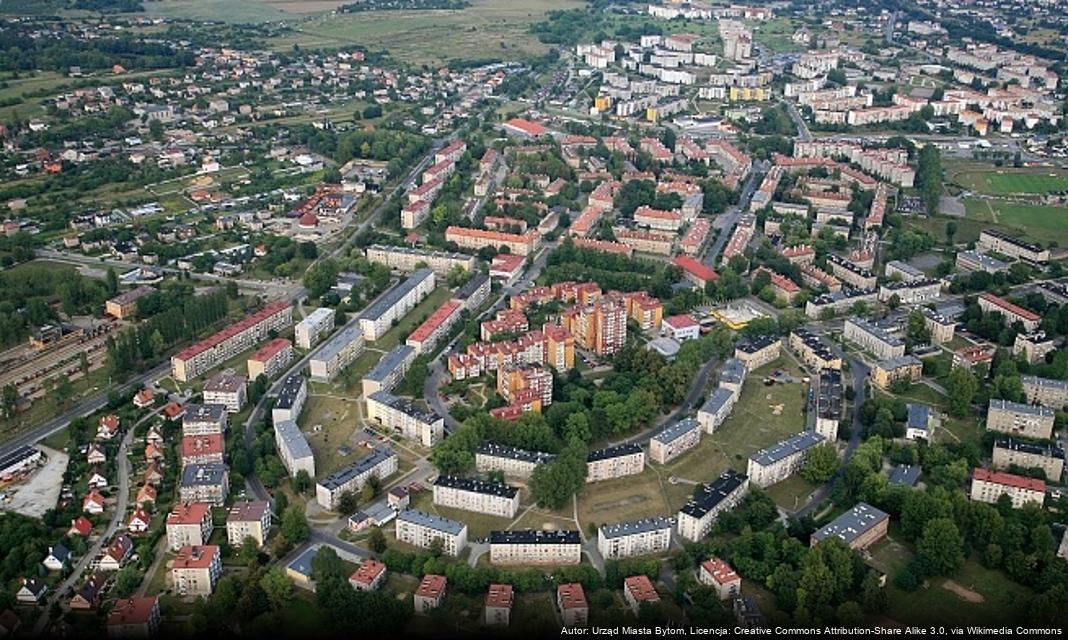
point(990, 599)
point(486, 29)
point(478, 524)
point(1038, 222)
point(1000, 181)
point(336, 419)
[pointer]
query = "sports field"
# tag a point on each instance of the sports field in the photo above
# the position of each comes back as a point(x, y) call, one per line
point(1038, 222)
point(1008, 181)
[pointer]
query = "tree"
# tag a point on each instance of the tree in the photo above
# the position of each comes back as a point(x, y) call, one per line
point(10, 400)
point(126, 581)
point(940, 551)
point(112, 281)
point(250, 551)
point(294, 526)
point(377, 540)
point(820, 464)
point(348, 503)
point(929, 177)
point(278, 587)
point(961, 388)
point(302, 481)
point(326, 563)
point(437, 547)
point(321, 277)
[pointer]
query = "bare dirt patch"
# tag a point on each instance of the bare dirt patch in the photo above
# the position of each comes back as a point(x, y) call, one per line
point(964, 593)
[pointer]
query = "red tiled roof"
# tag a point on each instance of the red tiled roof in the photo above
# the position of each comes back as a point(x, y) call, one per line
point(571, 596)
point(195, 557)
point(720, 571)
point(129, 611)
point(367, 572)
point(527, 127)
point(499, 596)
point(233, 330)
point(1010, 307)
point(683, 321)
point(641, 589)
point(436, 319)
point(695, 268)
point(188, 513)
point(432, 586)
point(1010, 480)
point(270, 349)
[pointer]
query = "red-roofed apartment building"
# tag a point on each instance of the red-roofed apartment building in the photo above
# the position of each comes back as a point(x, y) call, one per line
point(1029, 319)
point(499, 604)
point(571, 600)
point(270, 360)
point(436, 326)
point(369, 576)
point(721, 577)
point(639, 589)
point(430, 594)
point(524, 129)
point(134, 618)
point(988, 486)
point(694, 271)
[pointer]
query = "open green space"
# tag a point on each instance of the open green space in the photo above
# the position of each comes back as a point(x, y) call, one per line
point(486, 29)
point(414, 318)
point(328, 423)
point(974, 596)
point(1005, 181)
point(478, 524)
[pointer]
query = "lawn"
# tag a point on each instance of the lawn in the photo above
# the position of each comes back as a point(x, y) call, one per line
point(534, 615)
point(625, 499)
point(791, 493)
point(486, 29)
point(478, 524)
point(1004, 181)
point(329, 422)
point(994, 600)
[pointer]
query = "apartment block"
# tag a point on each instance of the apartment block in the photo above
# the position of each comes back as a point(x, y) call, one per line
point(757, 352)
point(426, 336)
point(336, 353)
point(638, 538)
point(389, 370)
point(571, 602)
point(1006, 245)
point(941, 327)
point(849, 273)
point(918, 291)
point(205, 483)
point(1012, 312)
point(600, 327)
point(716, 409)
point(291, 398)
point(859, 528)
point(380, 464)
point(614, 462)
point(195, 570)
point(430, 594)
point(421, 529)
point(1045, 391)
point(988, 486)
point(1027, 420)
point(512, 462)
point(396, 303)
point(124, 305)
point(873, 338)
point(238, 337)
point(498, 609)
point(270, 360)
point(228, 390)
point(782, 460)
point(478, 496)
point(674, 440)
point(812, 351)
point(535, 547)
point(475, 239)
point(314, 326)
point(204, 419)
point(293, 448)
point(721, 577)
point(828, 403)
point(405, 418)
point(189, 523)
point(201, 449)
point(697, 516)
point(408, 259)
point(975, 261)
point(1034, 347)
point(1009, 452)
point(248, 520)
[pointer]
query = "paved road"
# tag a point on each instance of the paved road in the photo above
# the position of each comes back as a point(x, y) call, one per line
point(803, 133)
point(732, 214)
point(86, 407)
point(252, 484)
point(123, 471)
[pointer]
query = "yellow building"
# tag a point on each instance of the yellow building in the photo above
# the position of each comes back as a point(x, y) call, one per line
point(748, 94)
point(886, 372)
point(602, 103)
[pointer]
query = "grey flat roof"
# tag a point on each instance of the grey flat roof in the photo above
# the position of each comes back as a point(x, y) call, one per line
point(340, 477)
point(204, 413)
point(476, 486)
point(720, 489)
point(755, 344)
point(788, 447)
point(906, 267)
point(406, 407)
point(676, 430)
point(1015, 444)
point(899, 361)
point(852, 524)
point(289, 391)
point(391, 297)
point(295, 441)
point(918, 415)
point(875, 330)
point(317, 316)
point(621, 529)
point(733, 371)
point(905, 474)
point(532, 536)
point(613, 452)
point(210, 474)
point(1016, 407)
point(302, 564)
point(422, 253)
point(431, 521)
point(504, 451)
point(719, 397)
point(390, 362)
point(469, 288)
point(983, 260)
point(1048, 383)
point(338, 342)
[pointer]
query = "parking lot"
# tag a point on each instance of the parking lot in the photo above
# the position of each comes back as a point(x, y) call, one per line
point(40, 493)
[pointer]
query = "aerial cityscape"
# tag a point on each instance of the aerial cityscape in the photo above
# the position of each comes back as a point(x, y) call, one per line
point(548, 317)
